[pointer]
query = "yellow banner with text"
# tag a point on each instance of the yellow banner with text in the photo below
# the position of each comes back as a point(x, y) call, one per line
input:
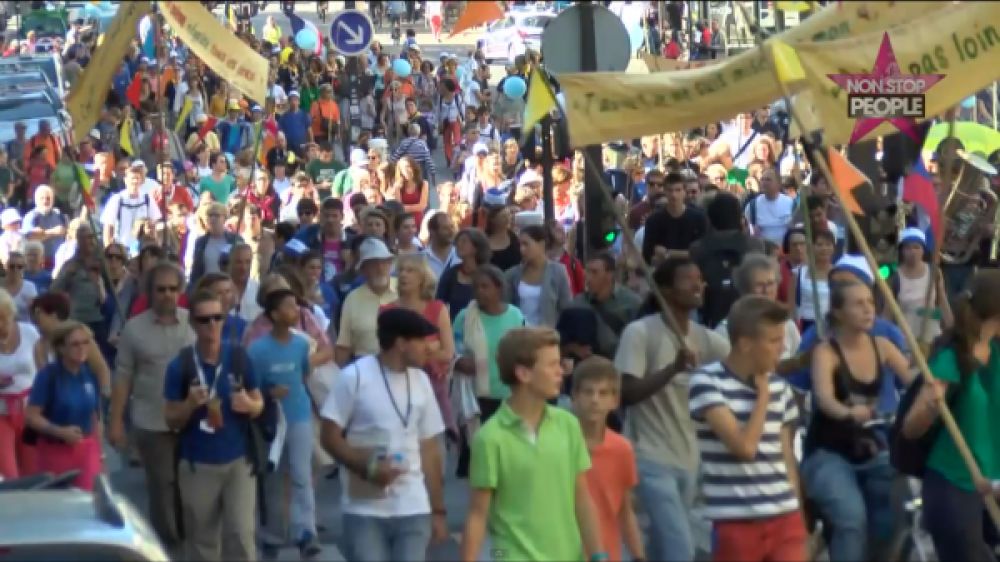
point(218, 47)
point(607, 106)
point(87, 97)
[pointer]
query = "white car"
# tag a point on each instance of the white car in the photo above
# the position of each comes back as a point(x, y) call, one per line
point(511, 36)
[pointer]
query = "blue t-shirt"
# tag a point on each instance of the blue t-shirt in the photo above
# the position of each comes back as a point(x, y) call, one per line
point(222, 445)
point(284, 363)
point(65, 398)
point(42, 280)
point(295, 125)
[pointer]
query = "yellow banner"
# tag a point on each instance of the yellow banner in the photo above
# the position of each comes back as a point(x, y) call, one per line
point(222, 51)
point(656, 63)
point(962, 43)
point(88, 95)
point(606, 106)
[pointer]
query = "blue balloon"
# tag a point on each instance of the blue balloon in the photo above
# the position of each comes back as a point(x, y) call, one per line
point(402, 67)
point(969, 102)
point(635, 38)
point(306, 39)
point(514, 87)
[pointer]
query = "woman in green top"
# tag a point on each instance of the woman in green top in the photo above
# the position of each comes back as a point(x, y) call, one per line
point(220, 183)
point(966, 366)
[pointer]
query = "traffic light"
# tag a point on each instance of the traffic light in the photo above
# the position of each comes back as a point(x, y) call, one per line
point(599, 212)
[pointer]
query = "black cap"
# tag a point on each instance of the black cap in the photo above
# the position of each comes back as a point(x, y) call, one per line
point(578, 325)
point(397, 322)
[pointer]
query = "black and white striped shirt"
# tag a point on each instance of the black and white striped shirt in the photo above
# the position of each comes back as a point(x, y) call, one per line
point(736, 489)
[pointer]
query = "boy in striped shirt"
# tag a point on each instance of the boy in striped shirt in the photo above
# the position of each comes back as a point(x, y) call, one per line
point(745, 418)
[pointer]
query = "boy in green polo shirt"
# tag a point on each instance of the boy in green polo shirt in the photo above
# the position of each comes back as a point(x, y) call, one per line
point(535, 503)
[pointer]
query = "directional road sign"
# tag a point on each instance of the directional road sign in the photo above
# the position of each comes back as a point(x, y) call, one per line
point(351, 31)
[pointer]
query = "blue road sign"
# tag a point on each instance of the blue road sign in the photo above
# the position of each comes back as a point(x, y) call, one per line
point(351, 32)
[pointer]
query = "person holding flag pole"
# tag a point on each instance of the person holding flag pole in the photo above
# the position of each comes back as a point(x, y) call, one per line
point(788, 69)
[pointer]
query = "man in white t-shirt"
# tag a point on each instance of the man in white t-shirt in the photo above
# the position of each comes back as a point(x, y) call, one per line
point(381, 421)
point(127, 207)
point(770, 213)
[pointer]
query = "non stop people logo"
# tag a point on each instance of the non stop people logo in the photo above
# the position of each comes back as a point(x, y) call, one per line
point(885, 94)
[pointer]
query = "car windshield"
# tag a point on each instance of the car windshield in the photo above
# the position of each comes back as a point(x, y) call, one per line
point(21, 109)
point(535, 21)
point(44, 26)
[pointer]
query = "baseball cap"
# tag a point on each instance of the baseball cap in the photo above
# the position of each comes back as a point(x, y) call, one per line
point(294, 93)
point(9, 216)
point(359, 158)
point(529, 176)
point(234, 104)
point(856, 265)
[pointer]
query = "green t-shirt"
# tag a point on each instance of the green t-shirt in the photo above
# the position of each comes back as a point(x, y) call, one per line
point(321, 171)
point(494, 327)
point(977, 398)
point(62, 180)
point(533, 509)
point(219, 189)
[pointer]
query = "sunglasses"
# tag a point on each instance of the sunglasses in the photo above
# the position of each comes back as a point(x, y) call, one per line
point(163, 289)
point(205, 320)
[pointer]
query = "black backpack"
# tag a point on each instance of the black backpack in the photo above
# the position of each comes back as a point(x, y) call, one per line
point(909, 456)
point(261, 430)
point(717, 260)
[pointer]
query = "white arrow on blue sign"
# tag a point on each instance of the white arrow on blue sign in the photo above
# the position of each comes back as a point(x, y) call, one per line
point(351, 32)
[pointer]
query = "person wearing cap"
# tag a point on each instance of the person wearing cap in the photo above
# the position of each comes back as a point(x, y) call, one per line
point(125, 208)
point(232, 131)
point(196, 139)
point(11, 240)
point(358, 334)
point(159, 144)
point(46, 223)
point(391, 452)
point(325, 115)
point(845, 467)
point(296, 124)
point(909, 283)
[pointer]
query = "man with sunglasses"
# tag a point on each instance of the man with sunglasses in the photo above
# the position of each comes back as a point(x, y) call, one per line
point(148, 342)
point(653, 187)
point(211, 394)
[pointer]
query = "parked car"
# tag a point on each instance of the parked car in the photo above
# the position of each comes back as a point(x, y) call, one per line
point(41, 523)
point(29, 81)
point(30, 108)
point(48, 26)
point(47, 63)
point(519, 31)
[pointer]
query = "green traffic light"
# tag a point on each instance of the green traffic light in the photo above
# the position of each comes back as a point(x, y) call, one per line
point(610, 237)
point(885, 271)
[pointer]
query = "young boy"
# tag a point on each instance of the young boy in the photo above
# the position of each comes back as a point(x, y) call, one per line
point(529, 464)
point(745, 418)
point(613, 472)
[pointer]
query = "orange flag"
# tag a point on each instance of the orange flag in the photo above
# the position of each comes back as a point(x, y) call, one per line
point(850, 181)
point(477, 13)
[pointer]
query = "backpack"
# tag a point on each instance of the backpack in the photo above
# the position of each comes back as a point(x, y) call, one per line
point(909, 456)
point(132, 206)
point(262, 430)
point(718, 259)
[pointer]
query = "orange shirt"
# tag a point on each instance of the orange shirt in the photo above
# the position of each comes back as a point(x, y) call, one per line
point(50, 141)
point(612, 475)
point(322, 111)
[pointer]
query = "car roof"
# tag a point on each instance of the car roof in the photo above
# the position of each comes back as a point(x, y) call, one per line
point(74, 517)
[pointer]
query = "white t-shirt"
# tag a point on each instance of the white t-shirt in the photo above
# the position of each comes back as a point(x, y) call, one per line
point(21, 363)
point(391, 413)
point(471, 101)
point(23, 298)
point(770, 219)
point(131, 209)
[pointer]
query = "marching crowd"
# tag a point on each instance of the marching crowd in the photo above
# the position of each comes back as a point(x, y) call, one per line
point(259, 299)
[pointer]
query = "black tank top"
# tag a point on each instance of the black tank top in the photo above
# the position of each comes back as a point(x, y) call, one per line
point(845, 437)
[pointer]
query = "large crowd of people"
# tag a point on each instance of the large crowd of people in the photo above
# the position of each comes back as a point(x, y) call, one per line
point(259, 296)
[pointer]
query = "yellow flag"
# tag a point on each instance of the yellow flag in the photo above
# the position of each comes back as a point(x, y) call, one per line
point(232, 18)
point(786, 63)
point(541, 100)
point(125, 136)
point(793, 6)
point(183, 115)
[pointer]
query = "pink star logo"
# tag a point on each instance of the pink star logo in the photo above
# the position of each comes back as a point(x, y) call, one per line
point(885, 67)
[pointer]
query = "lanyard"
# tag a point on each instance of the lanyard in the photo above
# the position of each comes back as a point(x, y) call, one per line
point(405, 420)
point(212, 390)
